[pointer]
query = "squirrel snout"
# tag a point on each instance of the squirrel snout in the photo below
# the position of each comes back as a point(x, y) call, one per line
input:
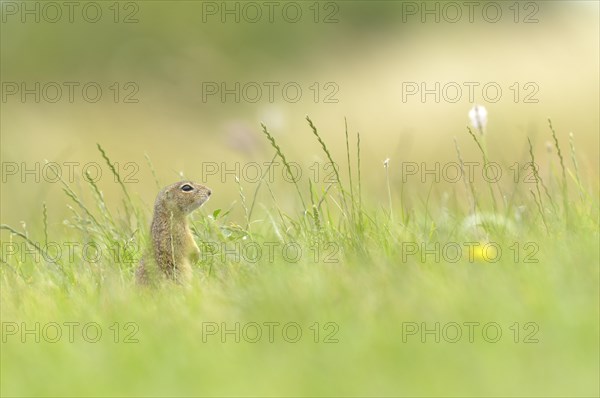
point(209, 192)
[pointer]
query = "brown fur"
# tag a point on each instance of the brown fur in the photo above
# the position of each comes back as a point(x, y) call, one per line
point(173, 247)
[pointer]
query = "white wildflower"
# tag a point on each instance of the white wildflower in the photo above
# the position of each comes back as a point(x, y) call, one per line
point(478, 115)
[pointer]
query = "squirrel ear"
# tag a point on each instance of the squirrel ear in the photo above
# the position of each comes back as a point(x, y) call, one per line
point(168, 194)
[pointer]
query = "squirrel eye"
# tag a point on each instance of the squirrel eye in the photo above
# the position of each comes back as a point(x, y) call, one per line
point(187, 188)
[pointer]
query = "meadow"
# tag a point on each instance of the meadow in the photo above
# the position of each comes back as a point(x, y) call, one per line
point(455, 287)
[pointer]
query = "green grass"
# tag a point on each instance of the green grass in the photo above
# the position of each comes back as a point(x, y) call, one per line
point(356, 282)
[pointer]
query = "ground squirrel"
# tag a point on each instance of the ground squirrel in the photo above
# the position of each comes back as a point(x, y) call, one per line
point(173, 247)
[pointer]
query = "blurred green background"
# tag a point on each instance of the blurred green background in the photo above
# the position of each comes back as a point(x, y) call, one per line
point(367, 50)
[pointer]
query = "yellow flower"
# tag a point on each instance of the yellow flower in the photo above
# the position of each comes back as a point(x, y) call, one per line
point(483, 252)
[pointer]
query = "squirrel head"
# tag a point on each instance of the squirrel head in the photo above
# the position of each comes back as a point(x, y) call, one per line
point(183, 197)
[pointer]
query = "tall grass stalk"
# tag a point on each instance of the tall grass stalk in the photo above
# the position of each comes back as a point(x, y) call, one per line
point(153, 171)
point(129, 207)
point(285, 162)
point(243, 199)
point(100, 200)
point(349, 167)
point(538, 179)
point(262, 177)
point(45, 222)
point(576, 166)
point(386, 166)
point(360, 211)
point(333, 164)
point(485, 163)
point(469, 187)
point(540, 209)
point(564, 173)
